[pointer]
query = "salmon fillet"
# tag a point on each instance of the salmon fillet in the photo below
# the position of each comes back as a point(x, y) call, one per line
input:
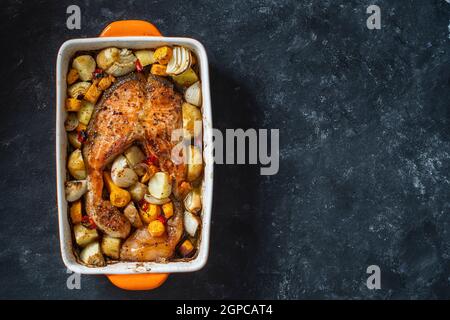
point(139, 111)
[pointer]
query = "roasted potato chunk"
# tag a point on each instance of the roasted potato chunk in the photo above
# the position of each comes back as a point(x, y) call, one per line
point(192, 120)
point(111, 246)
point(146, 57)
point(83, 235)
point(195, 163)
point(186, 78)
point(92, 255)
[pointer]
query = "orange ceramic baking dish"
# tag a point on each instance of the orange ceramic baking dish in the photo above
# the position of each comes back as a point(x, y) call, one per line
point(132, 34)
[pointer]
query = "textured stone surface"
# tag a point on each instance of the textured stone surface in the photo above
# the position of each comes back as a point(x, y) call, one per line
point(365, 147)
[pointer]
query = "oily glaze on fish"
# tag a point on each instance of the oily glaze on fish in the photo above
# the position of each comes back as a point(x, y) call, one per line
point(133, 111)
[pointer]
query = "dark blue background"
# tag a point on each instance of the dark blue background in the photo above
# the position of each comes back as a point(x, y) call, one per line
point(364, 156)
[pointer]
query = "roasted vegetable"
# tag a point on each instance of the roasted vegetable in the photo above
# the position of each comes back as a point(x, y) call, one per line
point(121, 174)
point(73, 104)
point(85, 65)
point(92, 255)
point(118, 196)
point(195, 163)
point(75, 189)
point(134, 155)
point(83, 235)
point(75, 212)
point(85, 113)
point(167, 209)
point(78, 90)
point(125, 64)
point(191, 223)
point(160, 185)
point(186, 78)
point(73, 139)
point(106, 82)
point(156, 228)
point(158, 70)
point(192, 120)
point(145, 57)
point(149, 173)
point(193, 94)
point(111, 246)
point(71, 122)
point(162, 55)
point(179, 62)
point(72, 76)
point(93, 93)
point(132, 214)
point(80, 128)
point(149, 212)
point(137, 191)
point(186, 248)
point(76, 165)
point(107, 57)
point(153, 200)
point(193, 201)
point(183, 189)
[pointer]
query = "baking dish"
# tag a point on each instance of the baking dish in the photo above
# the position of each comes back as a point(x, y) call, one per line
point(132, 34)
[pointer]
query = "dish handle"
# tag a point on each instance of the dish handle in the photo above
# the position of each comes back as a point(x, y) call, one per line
point(146, 281)
point(127, 28)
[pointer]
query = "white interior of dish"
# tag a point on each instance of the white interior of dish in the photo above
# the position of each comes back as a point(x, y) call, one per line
point(67, 50)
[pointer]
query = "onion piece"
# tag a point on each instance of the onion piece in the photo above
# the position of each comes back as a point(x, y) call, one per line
point(160, 185)
point(75, 189)
point(71, 122)
point(191, 223)
point(179, 62)
point(193, 94)
point(122, 175)
point(125, 64)
point(193, 201)
point(153, 200)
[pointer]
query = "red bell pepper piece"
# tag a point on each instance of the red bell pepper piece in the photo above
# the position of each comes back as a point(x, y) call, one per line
point(88, 222)
point(139, 67)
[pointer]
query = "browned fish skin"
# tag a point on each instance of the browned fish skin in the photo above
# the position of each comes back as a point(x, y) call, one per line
point(131, 111)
